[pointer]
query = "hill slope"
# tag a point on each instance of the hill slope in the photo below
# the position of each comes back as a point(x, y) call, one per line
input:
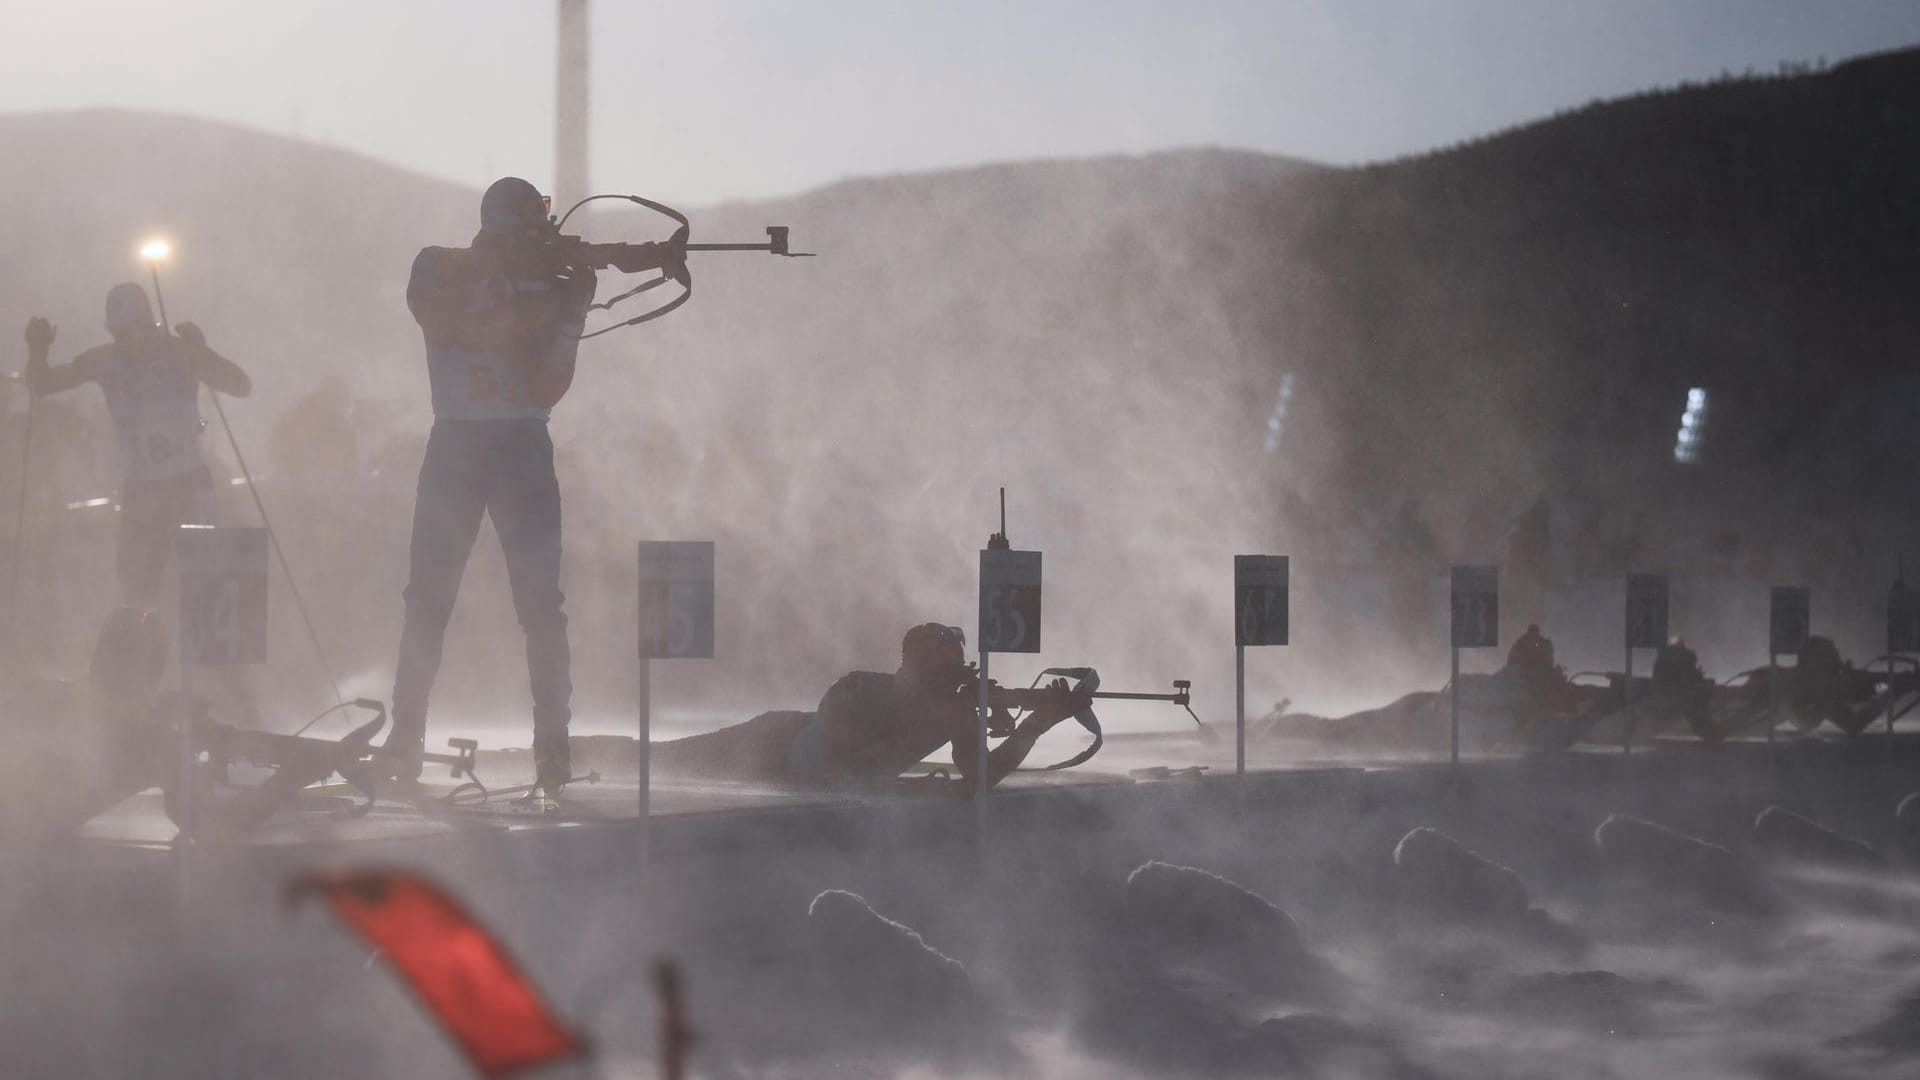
point(1106, 338)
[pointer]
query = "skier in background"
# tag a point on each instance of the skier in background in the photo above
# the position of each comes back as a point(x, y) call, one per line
point(151, 380)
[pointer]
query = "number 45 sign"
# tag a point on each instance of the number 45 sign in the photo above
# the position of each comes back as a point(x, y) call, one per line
point(223, 595)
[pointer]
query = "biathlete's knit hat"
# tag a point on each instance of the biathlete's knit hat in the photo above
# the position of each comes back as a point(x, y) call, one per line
point(511, 203)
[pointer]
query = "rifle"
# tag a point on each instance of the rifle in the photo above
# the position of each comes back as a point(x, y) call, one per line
point(560, 251)
point(1004, 701)
point(300, 760)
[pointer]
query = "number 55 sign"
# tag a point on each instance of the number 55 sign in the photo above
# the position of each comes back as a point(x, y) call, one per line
point(676, 600)
point(223, 595)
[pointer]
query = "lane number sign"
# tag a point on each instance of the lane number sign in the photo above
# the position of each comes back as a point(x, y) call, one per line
point(1903, 620)
point(1789, 619)
point(1646, 611)
point(223, 595)
point(1260, 599)
point(1476, 607)
point(1009, 601)
point(676, 600)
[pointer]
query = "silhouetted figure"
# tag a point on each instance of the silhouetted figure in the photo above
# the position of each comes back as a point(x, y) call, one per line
point(1530, 661)
point(1531, 651)
point(1679, 684)
point(873, 726)
point(502, 327)
point(151, 380)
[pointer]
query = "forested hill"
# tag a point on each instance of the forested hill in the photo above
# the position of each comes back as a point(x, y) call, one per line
point(1531, 308)
point(1518, 316)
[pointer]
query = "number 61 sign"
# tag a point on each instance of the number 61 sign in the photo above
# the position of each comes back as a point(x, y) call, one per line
point(223, 595)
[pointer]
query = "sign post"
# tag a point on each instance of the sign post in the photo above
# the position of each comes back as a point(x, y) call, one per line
point(1260, 618)
point(1009, 622)
point(1788, 620)
point(1476, 625)
point(1903, 635)
point(1646, 629)
point(676, 623)
point(223, 620)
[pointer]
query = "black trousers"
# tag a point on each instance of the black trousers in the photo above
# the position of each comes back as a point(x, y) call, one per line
point(504, 470)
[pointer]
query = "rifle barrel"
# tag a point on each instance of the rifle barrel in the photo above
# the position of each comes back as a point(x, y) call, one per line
point(729, 247)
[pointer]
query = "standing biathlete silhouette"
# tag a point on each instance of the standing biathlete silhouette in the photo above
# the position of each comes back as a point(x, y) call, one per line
point(151, 379)
point(502, 331)
point(503, 320)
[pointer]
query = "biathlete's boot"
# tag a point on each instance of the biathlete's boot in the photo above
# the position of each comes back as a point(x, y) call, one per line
point(552, 762)
point(401, 756)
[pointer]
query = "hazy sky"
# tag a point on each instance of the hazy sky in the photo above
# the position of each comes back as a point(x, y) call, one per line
point(706, 100)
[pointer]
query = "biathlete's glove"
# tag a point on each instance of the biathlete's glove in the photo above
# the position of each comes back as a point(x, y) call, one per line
point(575, 287)
point(191, 334)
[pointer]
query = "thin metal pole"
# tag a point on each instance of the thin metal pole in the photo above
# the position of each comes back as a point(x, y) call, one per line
point(184, 801)
point(1240, 710)
point(1773, 694)
point(19, 537)
point(1628, 749)
point(1455, 696)
point(980, 764)
point(1890, 697)
point(645, 806)
point(159, 300)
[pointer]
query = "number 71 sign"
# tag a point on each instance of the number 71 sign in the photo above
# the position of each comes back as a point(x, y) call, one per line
point(223, 595)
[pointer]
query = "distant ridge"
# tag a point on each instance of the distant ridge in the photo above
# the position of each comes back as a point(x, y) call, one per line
point(1107, 337)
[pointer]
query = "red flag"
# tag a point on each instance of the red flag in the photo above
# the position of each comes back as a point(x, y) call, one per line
point(458, 970)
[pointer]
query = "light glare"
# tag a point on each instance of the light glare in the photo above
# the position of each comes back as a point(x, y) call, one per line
point(155, 250)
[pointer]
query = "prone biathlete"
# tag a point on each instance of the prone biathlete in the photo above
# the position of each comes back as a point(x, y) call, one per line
point(151, 380)
point(873, 725)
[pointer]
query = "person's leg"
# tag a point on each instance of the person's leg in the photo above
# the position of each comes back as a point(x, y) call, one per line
point(145, 535)
point(446, 518)
point(525, 506)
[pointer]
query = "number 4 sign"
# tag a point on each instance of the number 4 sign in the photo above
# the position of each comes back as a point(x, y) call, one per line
point(223, 595)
